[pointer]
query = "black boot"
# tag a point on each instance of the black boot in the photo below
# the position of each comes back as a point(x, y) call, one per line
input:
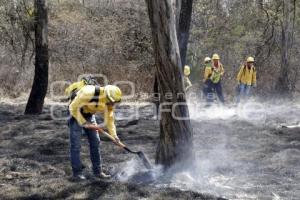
point(78, 178)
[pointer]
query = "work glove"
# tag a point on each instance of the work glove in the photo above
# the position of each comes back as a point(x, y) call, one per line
point(117, 139)
point(91, 126)
point(254, 85)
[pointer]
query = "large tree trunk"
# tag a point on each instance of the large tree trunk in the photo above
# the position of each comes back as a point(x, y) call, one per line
point(156, 94)
point(283, 83)
point(175, 134)
point(40, 83)
point(260, 4)
point(183, 32)
point(184, 28)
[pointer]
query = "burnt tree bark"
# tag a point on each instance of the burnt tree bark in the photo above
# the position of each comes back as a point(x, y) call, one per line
point(175, 143)
point(183, 33)
point(184, 28)
point(40, 83)
point(283, 82)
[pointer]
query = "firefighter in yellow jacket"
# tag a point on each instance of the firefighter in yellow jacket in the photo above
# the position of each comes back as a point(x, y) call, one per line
point(246, 79)
point(89, 100)
point(187, 82)
point(213, 74)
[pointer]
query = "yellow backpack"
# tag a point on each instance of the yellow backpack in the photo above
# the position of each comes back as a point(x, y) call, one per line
point(71, 91)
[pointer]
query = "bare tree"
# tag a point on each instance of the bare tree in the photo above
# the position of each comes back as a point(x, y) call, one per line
point(283, 83)
point(260, 4)
point(184, 28)
point(175, 134)
point(40, 83)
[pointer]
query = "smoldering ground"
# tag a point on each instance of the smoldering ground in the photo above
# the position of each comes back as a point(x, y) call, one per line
point(241, 152)
point(34, 158)
point(237, 156)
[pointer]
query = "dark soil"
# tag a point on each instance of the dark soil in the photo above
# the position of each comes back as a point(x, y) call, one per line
point(34, 160)
point(236, 157)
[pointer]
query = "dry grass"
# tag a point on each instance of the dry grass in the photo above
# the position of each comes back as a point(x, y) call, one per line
point(112, 40)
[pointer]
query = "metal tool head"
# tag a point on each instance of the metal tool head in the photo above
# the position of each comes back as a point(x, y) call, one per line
point(142, 156)
point(145, 160)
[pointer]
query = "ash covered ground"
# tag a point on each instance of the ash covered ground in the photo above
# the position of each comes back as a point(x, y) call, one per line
point(240, 154)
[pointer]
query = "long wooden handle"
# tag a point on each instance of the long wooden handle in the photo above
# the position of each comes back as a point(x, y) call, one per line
point(120, 144)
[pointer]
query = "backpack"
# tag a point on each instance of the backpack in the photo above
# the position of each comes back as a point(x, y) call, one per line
point(72, 90)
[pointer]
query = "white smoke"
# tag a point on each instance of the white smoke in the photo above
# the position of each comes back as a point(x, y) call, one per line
point(238, 155)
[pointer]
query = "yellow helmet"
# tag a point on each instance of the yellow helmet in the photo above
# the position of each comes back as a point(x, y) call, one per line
point(187, 70)
point(250, 59)
point(216, 57)
point(207, 59)
point(113, 93)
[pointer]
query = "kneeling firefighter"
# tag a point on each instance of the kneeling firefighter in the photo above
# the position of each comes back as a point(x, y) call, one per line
point(87, 101)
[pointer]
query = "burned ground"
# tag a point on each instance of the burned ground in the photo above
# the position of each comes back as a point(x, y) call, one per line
point(35, 164)
point(236, 158)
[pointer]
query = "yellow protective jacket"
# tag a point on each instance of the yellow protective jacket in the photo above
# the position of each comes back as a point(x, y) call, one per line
point(213, 73)
point(82, 103)
point(217, 73)
point(247, 76)
point(207, 72)
point(187, 82)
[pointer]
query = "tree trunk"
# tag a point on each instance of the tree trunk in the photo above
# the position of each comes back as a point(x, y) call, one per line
point(40, 83)
point(184, 28)
point(260, 4)
point(156, 95)
point(175, 134)
point(283, 83)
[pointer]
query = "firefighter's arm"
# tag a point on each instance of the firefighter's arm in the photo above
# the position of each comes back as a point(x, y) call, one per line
point(109, 121)
point(189, 82)
point(207, 72)
point(254, 78)
point(239, 76)
point(222, 70)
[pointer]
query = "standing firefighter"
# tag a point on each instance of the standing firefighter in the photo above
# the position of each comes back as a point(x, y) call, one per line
point(87, 101)
point(212, 78)
point(207, 74)
point(246, 79)
point(187, 82)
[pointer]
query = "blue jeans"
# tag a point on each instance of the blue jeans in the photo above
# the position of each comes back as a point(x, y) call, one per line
point(94, 141)
point(243, 92)
point(210, 87)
